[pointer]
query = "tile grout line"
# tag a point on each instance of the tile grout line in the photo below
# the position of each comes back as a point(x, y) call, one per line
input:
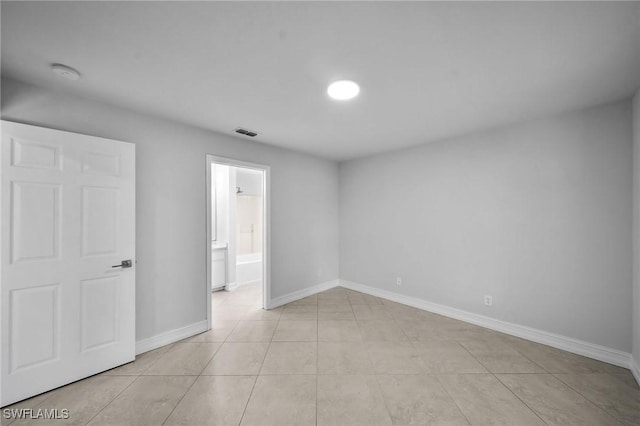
point(113, 399)
point(506, 387)
point(180, 400)
point(566, 384)
point(614, 416)
point(452, 399)
point(196, 379)
point(244, 412)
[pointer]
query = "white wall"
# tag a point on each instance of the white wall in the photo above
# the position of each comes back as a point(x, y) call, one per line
point(249, 181)
point(220, 203)
point(636, 231)
point(170, 189)
point(538, 215)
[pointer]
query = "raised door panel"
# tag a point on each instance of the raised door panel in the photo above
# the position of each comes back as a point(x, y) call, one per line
point(35, 221)
point(35, 155)
point(101, 164)
point(34, 333)
point(99, 311)
point(99, 221)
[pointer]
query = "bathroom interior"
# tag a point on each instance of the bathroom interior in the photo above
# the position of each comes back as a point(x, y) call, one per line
point(237, 229)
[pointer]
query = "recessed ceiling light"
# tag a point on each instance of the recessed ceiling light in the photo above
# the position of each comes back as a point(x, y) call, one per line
point(343, 90)
point(65, 71)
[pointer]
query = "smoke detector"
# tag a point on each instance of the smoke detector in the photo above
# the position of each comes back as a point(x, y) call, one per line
point(65, 71)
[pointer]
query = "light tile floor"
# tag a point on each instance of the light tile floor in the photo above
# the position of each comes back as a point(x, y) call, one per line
point(346, 358)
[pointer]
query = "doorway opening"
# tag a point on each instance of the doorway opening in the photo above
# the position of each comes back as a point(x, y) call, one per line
point(237, 232)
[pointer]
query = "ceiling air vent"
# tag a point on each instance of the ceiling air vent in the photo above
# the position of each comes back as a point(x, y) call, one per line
point(246, 132)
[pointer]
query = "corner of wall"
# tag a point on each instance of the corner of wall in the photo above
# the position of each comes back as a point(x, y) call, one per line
point(635, 353)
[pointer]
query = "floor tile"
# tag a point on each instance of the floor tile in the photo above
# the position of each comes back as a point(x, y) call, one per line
point(298, 313)
point(27, 404)
point(451, 329)
point(363, 299)
point(259, 314)
point(333, 297)
point(184, 358)
point(344, 358)
point(371, 312)
point(218, 400)
point(296, 331)
point(290, 358)
point(335, 312)
point(147, 401)
point(446, 357)
point(419, 329)
point(554, 402)
point(371, 361)
point(557, 361)
point(485, 401)
point(497, 357)
point(336, 315)
point(237, 358)
point(419, 400)
point(381, 330)
point(141, 363)
point(219, 332)
point(226, 312)
point(282, 400)
point(253, 331)
point(617, 394)
point(83, 399)
point(309, 300)
point(340, 304)
point(394, 358)
point(339, 331)
point(350, 400)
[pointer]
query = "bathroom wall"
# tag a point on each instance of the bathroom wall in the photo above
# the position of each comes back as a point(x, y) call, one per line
point(249, 212)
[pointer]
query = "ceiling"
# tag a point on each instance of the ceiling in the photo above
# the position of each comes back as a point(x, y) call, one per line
point(427, 70)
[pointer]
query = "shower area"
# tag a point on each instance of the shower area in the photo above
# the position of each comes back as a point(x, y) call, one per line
point(237, 227)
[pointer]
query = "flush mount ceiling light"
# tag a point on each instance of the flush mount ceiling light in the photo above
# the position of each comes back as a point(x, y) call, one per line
point(65, 71)
point(343, 90)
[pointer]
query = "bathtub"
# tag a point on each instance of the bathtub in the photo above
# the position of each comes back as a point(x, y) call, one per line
point(248, 268)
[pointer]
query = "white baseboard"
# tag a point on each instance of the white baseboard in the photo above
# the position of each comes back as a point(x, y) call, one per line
point(301, 294)
point(171, 336)
point(231, 286)
point(635, 369)
point(591, 350)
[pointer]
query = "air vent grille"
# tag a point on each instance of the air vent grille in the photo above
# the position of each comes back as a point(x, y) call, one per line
point(246, 132)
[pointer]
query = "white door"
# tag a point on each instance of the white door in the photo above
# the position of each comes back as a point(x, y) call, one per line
point(68, 217)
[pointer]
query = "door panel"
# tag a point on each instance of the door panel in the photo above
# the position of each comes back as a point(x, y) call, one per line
point(68, 216)
point(34, 326)
point(99, 308)
point(35, 221)
point(99, 221)
point(35, 155)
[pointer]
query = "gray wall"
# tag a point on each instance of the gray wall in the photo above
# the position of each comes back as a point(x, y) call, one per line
point(636, 228)
point(170, 217)
point(537, 215)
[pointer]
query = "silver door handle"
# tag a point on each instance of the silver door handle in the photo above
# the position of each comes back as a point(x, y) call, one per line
point(124, 264)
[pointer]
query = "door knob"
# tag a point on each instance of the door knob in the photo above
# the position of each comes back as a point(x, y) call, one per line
point(124, 264)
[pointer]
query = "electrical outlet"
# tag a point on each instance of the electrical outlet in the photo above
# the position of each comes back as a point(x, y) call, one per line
point(488, 301)
point(398, 280)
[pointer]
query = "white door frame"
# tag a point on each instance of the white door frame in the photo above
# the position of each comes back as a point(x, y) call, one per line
point(266, 240)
